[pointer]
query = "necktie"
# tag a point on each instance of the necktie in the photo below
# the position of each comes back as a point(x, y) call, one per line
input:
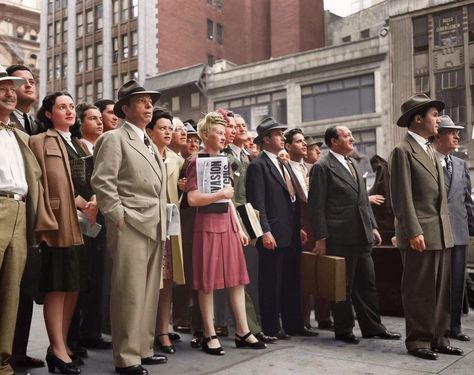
point(351, 168)
point(9, 126)
point(244, 157)
point(289, 184)
point(449, 165)
point(429, 151)
point(304, 171)
point(27, 123)
point(148, 145)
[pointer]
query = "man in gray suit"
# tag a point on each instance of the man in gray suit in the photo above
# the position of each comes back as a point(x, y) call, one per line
point(461, 214)
point(422, 230)
point(129, 179)
point(344, 225)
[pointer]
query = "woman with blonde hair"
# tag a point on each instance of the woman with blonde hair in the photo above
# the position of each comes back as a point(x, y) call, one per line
point(218, 259)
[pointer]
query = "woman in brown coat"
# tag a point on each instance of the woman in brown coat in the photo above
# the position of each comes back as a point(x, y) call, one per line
point(61, 276)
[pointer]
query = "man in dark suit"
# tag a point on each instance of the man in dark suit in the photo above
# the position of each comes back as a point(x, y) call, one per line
point(457, 182)
point(270, 190)
point(27, 95)
point(344, 225)
point(422, 230)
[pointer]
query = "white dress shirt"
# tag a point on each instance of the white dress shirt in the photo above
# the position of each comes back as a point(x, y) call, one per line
point(275, 160)
point(89, 145)
point(423, 142)
point(12, 165)
point(297, 170)
point(136, 129)
point(67, 137)
point(341, 159)
point(235, 150)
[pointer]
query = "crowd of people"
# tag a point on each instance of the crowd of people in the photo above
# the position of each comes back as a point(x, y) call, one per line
point(122, 166)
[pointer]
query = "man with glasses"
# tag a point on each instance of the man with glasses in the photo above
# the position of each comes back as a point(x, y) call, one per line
point(179, 137)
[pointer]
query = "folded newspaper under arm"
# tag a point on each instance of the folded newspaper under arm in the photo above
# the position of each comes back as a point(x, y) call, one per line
point(213, 175)
point(173, 222)
point(87, 229)
point(250, 219)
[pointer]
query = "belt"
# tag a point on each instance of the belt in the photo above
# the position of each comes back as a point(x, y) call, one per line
point(15, 196)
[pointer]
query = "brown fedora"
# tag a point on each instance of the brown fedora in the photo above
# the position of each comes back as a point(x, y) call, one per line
point(310, 141)
point(129, 89)
point(414, 104)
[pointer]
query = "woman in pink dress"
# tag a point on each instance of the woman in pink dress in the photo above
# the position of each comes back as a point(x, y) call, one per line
point(218, 259)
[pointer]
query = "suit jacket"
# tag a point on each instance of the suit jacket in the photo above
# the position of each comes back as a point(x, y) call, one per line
point(339, 207)
point(460, 204)
point(130, 182)
point(238, 174)
point(418, 197)
point(57, 223)
point(268, 193)
point(36, 127)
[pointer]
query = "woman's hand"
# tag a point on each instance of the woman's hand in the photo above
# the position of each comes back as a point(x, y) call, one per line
point(182, 183)
point(243, 238)
point(90, 210)
point(227, 192)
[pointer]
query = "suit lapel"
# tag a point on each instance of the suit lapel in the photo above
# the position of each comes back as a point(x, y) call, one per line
point(422, 157)
point(343, 173)
point(140, 147)
point(273, 170)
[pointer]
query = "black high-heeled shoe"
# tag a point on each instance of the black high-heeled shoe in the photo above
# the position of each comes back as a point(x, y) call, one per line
point(63, 367)
point(214, 351)
point(241, 342)
point(169, 349)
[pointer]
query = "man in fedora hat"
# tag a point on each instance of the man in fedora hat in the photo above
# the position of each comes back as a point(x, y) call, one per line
point(457, 182)
point(422, 230)
point(270, 190)
point(19, 189)
point(129, 179)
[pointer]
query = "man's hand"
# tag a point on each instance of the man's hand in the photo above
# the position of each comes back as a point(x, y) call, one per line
point(121, 223)
point(269, 241)
point(376, 199)
point(303, 237)
point(418, 243)
point(377, 239)
point(320, 247)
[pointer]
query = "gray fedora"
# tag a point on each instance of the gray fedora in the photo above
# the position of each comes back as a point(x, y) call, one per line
point(414, 104)
point(17, 81)
point(129, 89)
point(447, 123)
point(265, 127)
point(310, 141)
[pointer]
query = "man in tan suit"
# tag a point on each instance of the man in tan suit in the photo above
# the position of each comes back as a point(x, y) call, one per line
point(423, 230)
point(129, 179)
point(19, 188)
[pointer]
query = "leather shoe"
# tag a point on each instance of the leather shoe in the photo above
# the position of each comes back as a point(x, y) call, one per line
point(132, 370)
point(303, 332)
point(423, 353)
point(385, 335)
point(460, 336)
point(266, 339)
point(447, 350)
point(24, 361)
point(348, 338)
point(155, 359)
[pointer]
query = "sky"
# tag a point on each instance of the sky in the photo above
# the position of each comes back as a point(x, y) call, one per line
point(339, 7)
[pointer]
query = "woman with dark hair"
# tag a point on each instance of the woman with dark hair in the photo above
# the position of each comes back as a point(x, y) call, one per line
point(62, 276)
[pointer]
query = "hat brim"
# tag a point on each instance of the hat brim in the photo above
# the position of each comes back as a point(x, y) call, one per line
point(259, 138)
point(403, 119)
point(451, 127)
point(155, 96)
point(17, 81)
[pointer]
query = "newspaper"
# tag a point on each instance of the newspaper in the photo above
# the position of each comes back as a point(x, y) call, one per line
point(212, 174)
point(87, 229)
point(173, 222)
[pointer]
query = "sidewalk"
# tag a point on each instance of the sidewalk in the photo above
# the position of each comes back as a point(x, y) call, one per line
point(320, 355)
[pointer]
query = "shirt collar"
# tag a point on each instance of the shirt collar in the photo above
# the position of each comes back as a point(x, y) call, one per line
point(65, 135)
point(419, 139)
point(235, 149)
point(271, 155)
point(339, 157)
point(137, 130)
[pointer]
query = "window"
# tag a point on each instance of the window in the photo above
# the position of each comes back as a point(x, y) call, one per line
point(115, 49)
point(365, 144)
point(89, 58)
point(57, 5)
point(346, 39)
point(134, 36)
point(210, 29)
point(116, 12)
point(125, 10)
point(99, 16)
point(89, 93)
point(50, 68)
point(343, 97)
point(79, 60)
point(448, 28)
point(134, 74)
point(450, 88)
point(99, 89)
point(50, 34)
point(470, 16)
point(422, 84)
point(134, 8)
point(115, 83)
point(64, 4)
point(65, 30)
point(98, 55)
point(79, 93)
point(210, 60)
point(57, 33)
point(124, 78)
point(175, 103)
point(33, 35)
point(57, 67)
point(64, 63)
point(89, 22)
point(220, 33)
point(420, 34)
point(365, 34)
point(50, 6)
point(125, 46)
point(195, 99)
point(79, 25)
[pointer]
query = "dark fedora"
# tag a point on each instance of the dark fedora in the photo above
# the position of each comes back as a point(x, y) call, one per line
point(447, 123)
point(129, 89)
point(265, 127)
point(310, 141)
point(414, 104)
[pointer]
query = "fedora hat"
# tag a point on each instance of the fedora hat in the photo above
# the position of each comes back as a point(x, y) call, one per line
point(265, 127)
point(414, 104)
point(17, 81)
point(447, 123)
point(129, 89)
point(310, 141)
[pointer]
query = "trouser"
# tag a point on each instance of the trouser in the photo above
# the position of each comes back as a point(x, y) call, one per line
point(458, 282)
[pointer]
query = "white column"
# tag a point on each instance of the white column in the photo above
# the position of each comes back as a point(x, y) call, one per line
point(107, 50)
point(43, 50)
point(147, 39)
point(71, 48)
point(293, 104)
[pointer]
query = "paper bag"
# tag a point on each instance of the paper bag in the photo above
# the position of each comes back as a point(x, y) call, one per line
point(331, 278)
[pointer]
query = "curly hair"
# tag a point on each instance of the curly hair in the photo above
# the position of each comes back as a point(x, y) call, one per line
point(208, 121)
point(47, 106)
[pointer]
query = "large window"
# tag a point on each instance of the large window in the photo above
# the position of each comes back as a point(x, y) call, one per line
point(89, 93)
point(50, 68)
point(134, 8)
point(210, 29)
point(125, 46)
point(255, 108)
point(115, 49)
point(220, 33)
point(65, 30)
point(470, 11)
point(450, 88)
point(64, 63)
point(99, 23)
point(125, 10)
point(422, 84)
point(343, 97)
point(134, 36)
point(79, 60)
point(89, 58)
point(99, 89)
point(57, 66)
point(79, 25)
point(420, 34)
point(98, 55)
point(448, 28)
point(115, 12)
point(57, 34)
point(79, 93)
point(89, 22)
point(50, 34)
